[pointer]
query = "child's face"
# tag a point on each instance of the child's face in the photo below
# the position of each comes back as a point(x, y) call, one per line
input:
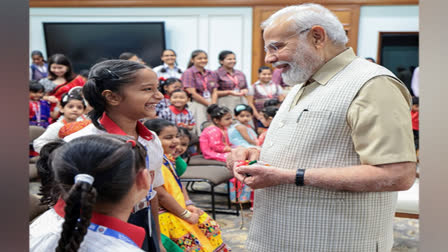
point(244, 117)
point(168, 137)
point(225, 121)
point(415, 108)
point(179, 99)
point(58, 70)
point(182, 147)
point(229, 61)
point(200, 61)
point(268, 120)
point(139, 99)
point(72, 110)
point(36, 96)
point(168, 57)
point(37, 60)
point(265, 76)
point(173, 86)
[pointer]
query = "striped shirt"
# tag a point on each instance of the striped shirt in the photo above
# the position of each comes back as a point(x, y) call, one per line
point(179, 117)
point(192, 78)
point(228, 81)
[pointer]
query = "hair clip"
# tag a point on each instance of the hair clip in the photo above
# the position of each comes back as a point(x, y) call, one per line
point(82, 177)
point(133, 143)
point(65, 98)
point(240, 107)
point(114, 75)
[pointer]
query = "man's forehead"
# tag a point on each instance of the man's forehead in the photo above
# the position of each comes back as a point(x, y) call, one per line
point(278, 30)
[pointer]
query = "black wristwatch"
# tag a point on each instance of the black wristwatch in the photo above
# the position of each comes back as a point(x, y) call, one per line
point(300, 177)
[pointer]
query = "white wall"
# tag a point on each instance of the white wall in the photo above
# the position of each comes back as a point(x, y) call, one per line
point(375, 19)
point(186, 29)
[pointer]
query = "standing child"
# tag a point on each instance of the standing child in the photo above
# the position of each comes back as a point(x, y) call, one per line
point(268, 114)
point(92, 182)
point(201, 83)
point(177, 112)
point(39, 109)
point(72, 108)
point(262, 90)
point(184, 224)
point(214, 140)
point(39, 68)
point(121, 92)
point(242, 133)
point(167, 87)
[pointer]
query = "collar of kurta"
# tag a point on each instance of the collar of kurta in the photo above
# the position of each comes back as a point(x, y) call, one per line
point(112, 128)
point(333, 66)
point(135, 233)
point(176, 111)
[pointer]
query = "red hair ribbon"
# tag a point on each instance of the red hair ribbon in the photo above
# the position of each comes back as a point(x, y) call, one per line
point(133, 143)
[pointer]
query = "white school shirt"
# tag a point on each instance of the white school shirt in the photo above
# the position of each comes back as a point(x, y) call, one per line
point(146, 137)
point(169, 73)
point(46, 230)
point(51, 133)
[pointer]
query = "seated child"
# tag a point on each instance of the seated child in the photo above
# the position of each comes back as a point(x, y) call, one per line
point(184, 142)
point(241, 133)
point(214, 140)
point(72, 108)
point(268, 114)
point(92, 182)
point(39, 109)
point(177, 112)
point(260, 124)
point(167, 86)
point(190, 228)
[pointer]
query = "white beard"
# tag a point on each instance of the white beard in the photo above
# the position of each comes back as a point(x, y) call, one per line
point(303, 66)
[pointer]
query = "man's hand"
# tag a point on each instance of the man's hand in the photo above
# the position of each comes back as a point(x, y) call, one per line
point(241, 153)
point(260, 176)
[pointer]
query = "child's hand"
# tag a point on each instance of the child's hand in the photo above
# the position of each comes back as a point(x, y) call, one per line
point(227, 149)
point(52, 99)
point(194, 218)
point(194, 209)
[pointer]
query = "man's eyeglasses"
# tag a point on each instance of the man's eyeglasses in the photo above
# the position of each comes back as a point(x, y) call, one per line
point(274, 47)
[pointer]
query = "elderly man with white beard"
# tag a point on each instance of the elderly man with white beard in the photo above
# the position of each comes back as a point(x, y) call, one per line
point(339, 148)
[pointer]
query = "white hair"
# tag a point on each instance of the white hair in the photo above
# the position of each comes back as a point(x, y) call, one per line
point(305, 16)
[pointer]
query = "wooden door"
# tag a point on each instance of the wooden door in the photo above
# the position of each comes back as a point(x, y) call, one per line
point(347, 14)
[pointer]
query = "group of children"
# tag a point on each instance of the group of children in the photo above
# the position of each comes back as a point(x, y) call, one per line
point(107, 182)
point(114, 181)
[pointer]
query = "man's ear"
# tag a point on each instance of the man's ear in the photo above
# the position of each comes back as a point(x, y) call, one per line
point(318, 36)
point(112, 98)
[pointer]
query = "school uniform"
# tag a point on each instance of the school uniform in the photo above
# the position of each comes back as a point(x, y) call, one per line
point(166, 72)
point(105, 233)
point(154, 162)
point(178, 117)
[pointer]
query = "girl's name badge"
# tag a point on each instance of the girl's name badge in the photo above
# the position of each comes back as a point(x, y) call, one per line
point(206, 94)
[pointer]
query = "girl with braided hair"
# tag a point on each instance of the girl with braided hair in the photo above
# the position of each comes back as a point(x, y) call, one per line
point(92, 183)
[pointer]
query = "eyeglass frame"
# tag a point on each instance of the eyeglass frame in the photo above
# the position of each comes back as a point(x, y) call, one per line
point(272, 48)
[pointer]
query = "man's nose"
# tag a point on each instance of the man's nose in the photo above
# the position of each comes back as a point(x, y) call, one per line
point(270, 58)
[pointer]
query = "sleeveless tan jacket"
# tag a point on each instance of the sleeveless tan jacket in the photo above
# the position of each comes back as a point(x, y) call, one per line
point(315, 134)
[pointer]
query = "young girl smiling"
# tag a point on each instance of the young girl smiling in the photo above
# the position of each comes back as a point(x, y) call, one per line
point(121, 92)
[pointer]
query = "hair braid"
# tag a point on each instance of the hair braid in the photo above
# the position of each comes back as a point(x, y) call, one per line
point(78, 211)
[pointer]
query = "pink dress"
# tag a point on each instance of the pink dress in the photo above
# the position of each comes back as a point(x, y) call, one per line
point(212, 141)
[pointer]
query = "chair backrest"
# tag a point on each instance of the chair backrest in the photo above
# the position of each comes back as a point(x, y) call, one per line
point(35, 132)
